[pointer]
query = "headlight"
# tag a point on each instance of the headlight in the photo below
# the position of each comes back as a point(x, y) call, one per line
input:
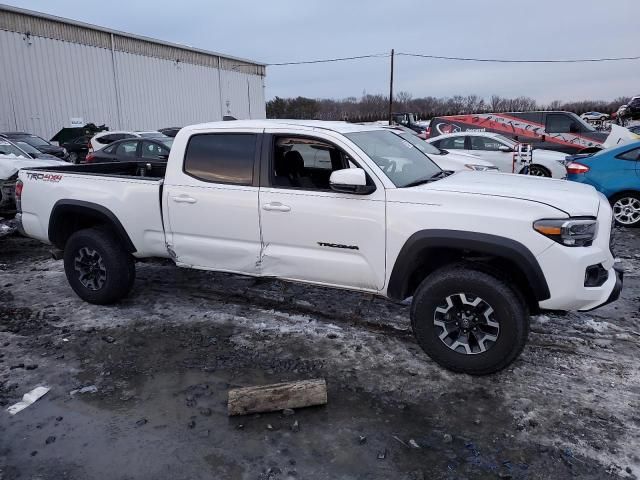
point(480, 168)
point(572, 232)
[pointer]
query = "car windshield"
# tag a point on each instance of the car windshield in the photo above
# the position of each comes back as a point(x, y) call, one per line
point(166, 142)
point(586, 126)
point(11, 150)
point(506, 140)
point(27, 148)
point(33, 140)
point(423, 146)
point(400, 160)
point(158, 135)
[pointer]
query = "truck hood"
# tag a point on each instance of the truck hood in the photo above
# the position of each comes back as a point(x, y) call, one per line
point(9, 164)
point(575, 199)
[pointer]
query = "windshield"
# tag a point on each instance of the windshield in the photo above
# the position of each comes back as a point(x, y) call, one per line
point(33, 140)
point(166, 141)
point(586, 126)
point(399, 159)
point(506, 140)
point(27, 148)
point(158, 135)
point(7, 148)
point(423, 146)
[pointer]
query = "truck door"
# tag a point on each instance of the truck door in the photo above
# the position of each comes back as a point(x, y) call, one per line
point(309, 232)
point(211, 201)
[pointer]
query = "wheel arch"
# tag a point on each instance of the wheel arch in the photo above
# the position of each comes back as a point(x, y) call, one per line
point(427, 250)
point(69, 216)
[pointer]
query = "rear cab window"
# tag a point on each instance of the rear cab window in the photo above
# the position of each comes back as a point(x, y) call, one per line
point(228, 158)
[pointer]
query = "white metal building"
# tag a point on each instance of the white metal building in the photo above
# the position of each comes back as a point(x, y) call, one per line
point(57, 73)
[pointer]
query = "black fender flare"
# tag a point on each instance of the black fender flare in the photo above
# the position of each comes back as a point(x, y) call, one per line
point(494, 245)
point(64, 210)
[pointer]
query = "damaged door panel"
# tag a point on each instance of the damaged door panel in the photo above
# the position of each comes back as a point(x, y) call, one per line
point(212, 203)
point(304, 237)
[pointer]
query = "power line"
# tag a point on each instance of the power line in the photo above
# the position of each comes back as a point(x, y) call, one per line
point(327, 60)
point(459, 59)
point(499, 60)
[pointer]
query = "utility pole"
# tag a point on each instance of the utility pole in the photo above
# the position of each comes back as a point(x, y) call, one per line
point(391, 90)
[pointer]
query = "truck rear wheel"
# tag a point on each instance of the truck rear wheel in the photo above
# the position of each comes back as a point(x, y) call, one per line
point(469, 321)
point(97, 266)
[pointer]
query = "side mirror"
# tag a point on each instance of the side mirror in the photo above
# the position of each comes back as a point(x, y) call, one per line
point(504, 148)
point(543, 138)
point(350, 180)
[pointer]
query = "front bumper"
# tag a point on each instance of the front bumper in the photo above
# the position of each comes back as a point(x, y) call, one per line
point(617, 289)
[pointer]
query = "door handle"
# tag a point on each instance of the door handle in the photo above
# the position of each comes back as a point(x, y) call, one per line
point(276, 207)
point(183, 199)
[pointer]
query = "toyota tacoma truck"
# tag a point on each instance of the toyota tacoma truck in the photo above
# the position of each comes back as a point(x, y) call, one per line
point(476, 252)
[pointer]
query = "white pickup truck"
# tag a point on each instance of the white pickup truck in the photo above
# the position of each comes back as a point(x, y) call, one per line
point(476, 251)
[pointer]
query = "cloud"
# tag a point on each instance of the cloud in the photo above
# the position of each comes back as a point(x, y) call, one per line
point(284, 30)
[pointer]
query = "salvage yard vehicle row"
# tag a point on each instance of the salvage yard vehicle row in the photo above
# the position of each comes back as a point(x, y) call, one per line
point(477, 251)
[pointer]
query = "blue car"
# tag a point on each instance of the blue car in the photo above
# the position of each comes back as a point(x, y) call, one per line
point(616, 173)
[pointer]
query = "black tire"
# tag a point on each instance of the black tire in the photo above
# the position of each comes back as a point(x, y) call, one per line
point(539, 171)
point(509, 311)
point(73, 158)
point(630, 200)
point(109, 260)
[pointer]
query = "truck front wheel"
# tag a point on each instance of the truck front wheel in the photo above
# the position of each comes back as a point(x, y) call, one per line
point(469, 321)
point(97, 267)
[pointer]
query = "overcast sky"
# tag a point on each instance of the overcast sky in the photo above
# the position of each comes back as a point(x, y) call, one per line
point(290, 30)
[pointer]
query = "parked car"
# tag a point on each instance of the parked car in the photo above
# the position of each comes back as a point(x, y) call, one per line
point(170, 131)
point(476, 251)
point(616, 173)
point(77, 148)
point(12, 159)
point(408, 120)
point(132, 149)
point(102, 139)
point(594, 116)
point(35, 141)
point(498, 150)
point(560, 131)
point(449, 161)
point(32, 151)
point(633, 108)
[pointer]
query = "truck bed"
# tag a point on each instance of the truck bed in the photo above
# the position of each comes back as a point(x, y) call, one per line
point(131, 192)
point(138, 170)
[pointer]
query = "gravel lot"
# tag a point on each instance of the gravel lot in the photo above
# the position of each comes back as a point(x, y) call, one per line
point(160, 364)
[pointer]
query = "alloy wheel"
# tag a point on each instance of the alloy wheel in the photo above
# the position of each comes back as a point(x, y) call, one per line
point(626, 210)
point(466, 324)
point(92, 273)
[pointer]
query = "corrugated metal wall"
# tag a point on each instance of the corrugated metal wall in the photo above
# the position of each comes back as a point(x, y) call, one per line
point(45, 82)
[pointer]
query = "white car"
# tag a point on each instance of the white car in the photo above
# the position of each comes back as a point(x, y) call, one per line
point(450, 161)
point(498, 150)
point(476, 251)
point(594, 116)
point(102, 139)
point(12, 160)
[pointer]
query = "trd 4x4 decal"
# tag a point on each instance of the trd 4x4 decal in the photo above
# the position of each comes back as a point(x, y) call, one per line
point(45, 177)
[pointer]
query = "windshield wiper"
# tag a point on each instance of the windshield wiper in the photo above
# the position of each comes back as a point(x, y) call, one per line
point(432, 178)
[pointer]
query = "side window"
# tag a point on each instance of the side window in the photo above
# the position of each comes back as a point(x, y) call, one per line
point(127, 149)
point(630, 155)
point(484, 143)
point(221, 157)
point(152, 150)
point(305, 162)
point(452, 143)
point(559, 123)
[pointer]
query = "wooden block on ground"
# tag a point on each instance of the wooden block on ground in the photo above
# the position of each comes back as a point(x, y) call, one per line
point(278, 396)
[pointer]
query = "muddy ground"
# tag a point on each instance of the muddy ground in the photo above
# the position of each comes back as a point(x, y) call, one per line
point(159, 365)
